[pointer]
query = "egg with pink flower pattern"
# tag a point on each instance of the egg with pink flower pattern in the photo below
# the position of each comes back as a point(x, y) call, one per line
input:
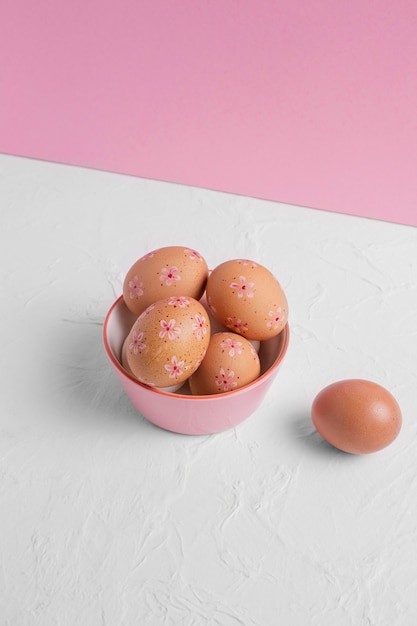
point(230, 362)
point(246, 298)
point(168, 341)
point(169, 271)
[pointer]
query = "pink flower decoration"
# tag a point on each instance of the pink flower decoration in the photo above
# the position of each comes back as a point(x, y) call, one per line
point(136, 345)
point(226, 380)
point(276, 318)
point(135, 287)
point(234, 347)
point(236, 324)
point(169, 276)
point(168, 328)
point(148, 256)
point(175, 368)
point(244, 288)
point(193, 254)
point(200, 326)
point(180, 301)
point(247, 262)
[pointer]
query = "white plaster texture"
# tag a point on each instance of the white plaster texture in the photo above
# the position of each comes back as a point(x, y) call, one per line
point(106, 520)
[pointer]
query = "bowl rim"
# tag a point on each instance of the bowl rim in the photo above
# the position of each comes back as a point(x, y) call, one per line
point(208, 397)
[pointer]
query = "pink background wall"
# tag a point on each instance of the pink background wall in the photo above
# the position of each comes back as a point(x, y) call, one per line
point(305, 101)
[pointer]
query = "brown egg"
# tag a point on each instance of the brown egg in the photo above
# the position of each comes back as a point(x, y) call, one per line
point(125, 365)
point(168, 341)
point(169, 271)
point(246, 298)
point(230, 363)
point(356, 416)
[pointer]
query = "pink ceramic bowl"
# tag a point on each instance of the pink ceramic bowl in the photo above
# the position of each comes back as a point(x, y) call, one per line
point(181, 412)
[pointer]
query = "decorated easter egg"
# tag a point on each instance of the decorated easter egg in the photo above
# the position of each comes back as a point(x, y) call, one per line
point(247, 299)
point(230, 362)
point(169, 271)
point(168, 341)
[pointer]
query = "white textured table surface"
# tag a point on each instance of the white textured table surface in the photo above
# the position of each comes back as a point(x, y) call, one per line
point(107, 520)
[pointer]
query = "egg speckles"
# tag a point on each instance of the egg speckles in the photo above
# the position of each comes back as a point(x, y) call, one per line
point(246, 298)
point(168, 341)
point(169, 271)
point(356, 416)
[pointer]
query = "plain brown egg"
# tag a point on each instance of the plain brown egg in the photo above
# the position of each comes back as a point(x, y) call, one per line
point(356, 416)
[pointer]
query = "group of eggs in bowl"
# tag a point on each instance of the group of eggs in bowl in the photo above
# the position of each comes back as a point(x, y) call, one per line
point(196, 350)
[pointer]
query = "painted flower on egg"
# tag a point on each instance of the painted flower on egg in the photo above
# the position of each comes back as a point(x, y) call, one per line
point(135, 286)
point(200, 326)
point(169, 330)
point(175, 368)
point(276, 318)
point(226, 380)
point(244, 288)
point(180, 301)
point(193, 254)
point(233, 347)
point(137, 344)
point(236, 324)
point(169, 275)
